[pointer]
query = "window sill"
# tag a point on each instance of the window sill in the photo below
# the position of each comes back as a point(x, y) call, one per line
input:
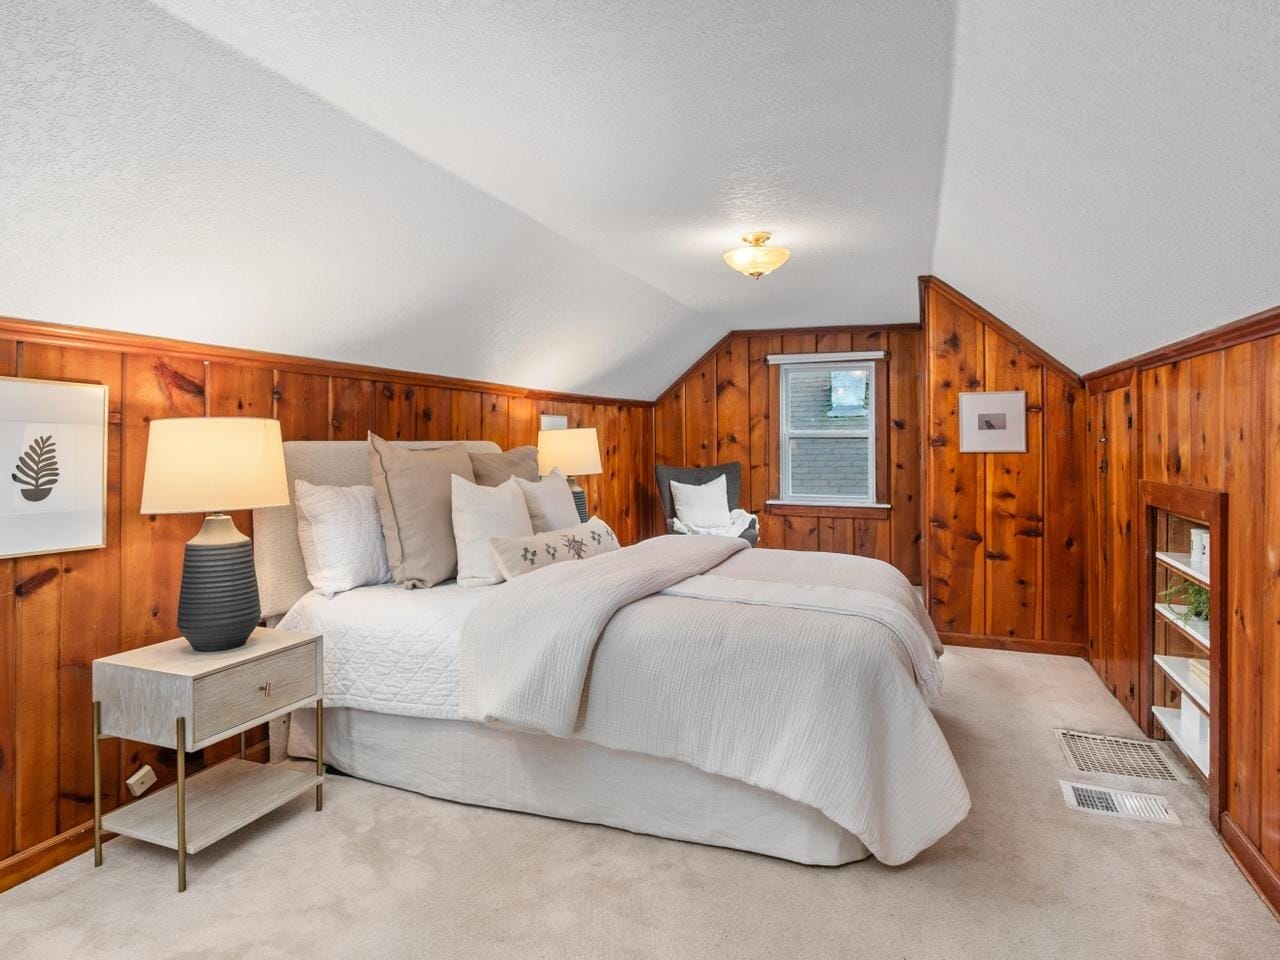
point(784, 508)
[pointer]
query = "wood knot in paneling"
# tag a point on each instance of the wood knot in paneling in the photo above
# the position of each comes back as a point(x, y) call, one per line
point(27, 587)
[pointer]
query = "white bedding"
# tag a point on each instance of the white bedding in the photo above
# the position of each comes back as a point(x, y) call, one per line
point(388, 649)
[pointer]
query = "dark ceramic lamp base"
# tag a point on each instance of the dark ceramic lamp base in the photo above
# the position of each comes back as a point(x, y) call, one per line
point(579, 499)
point(218, 607)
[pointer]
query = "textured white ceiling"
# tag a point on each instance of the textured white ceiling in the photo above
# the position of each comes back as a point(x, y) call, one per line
point(539, 192)
point(1113, 169)
point(534, 192)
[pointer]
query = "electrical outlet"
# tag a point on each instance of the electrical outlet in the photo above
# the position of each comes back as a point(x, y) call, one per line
point(141, 781)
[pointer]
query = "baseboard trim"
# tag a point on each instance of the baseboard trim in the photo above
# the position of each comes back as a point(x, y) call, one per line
point(1264, 878)
point(44, 856)
point(1058, 648)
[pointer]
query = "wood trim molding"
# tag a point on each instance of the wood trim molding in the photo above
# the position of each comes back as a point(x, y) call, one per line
point(1058, 648)
point(93, 338)
point(832, 510)
point(990, 319)
point(1264, 878)
point(1265, 323)
point(45, 856)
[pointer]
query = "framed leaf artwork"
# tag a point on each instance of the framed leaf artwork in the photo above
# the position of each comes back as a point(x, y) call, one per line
point(53, 458)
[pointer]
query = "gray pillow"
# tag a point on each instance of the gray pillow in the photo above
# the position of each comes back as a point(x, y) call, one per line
point(414, 490)
point(495, 469)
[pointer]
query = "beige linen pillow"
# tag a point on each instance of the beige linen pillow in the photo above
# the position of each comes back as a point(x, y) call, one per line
point(550, 502)
point(479, 514)
point(414, 491)
point(519, 555)
point(492, 469)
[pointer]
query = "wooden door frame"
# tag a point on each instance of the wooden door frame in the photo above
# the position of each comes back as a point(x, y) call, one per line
point(1210, 508)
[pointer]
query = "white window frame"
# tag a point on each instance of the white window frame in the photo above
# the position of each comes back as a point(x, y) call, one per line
point(786, 434)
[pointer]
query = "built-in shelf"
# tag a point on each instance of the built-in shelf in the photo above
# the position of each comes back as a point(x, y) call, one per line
point(1178, 669)
point(220, 801)
point(1194, 748)
point(1197, 631)
point(1180, 563)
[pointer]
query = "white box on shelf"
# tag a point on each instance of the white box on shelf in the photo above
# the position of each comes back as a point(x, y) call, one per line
point(1192, 721)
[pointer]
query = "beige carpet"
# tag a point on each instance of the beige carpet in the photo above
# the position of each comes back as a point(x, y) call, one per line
point(383, 873)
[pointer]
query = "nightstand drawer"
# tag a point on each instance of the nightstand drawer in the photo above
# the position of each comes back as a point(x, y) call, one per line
point(241, 694)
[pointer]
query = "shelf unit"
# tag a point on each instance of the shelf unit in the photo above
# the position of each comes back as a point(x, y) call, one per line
point(1183, 692)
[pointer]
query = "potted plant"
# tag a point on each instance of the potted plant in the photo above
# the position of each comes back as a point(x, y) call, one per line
point(1189, 601)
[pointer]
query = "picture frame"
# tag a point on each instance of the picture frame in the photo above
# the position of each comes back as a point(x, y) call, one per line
point(993, 421)
point(53, 467)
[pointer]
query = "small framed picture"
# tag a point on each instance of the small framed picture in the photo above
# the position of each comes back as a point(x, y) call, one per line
point(553, 421)
point(53, 448)
point(994, 422)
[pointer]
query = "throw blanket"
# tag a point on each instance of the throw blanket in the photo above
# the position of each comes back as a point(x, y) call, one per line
point(819, 706)
point(739, 520)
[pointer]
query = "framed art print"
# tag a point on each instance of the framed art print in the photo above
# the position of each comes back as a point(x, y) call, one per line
point(993, 422)
point(53, 454)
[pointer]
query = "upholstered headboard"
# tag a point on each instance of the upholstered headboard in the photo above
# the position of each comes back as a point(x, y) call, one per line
point(282, 577)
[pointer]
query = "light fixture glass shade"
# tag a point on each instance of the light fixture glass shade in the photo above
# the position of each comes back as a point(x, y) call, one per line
point(575, 452)
point(755, 259)
point(212, 464)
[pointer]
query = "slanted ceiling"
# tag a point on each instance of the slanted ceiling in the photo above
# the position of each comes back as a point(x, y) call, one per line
point(539, 192)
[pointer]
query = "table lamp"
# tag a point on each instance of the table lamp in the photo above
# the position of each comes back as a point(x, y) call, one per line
point(576, 453)
point(214, 465)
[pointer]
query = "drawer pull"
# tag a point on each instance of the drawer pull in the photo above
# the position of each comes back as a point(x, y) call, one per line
point(266, 688)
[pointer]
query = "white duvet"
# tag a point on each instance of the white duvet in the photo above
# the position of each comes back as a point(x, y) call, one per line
point(388, 649)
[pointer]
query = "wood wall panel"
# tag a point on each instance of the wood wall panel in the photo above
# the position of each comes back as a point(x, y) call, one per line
point(1065, 455)
point(60, 612)
point(955, 482)
point(725, 409)
point(1004, 543)
point(1209, 417)
point(302, 405)
point(1015, 513)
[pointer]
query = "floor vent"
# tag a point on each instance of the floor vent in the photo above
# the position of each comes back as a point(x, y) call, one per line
point(1118, 803)
point(1091, 753)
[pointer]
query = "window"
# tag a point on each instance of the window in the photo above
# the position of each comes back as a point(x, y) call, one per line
point(827, 445)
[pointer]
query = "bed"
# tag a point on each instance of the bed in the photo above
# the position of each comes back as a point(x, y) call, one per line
point(409, 674)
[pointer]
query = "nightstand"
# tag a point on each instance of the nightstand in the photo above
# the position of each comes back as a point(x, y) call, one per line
point(168, 695)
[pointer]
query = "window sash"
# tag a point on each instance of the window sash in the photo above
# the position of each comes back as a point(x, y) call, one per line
point(786, 433)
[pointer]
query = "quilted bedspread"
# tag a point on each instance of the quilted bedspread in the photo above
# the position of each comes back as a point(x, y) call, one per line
point(390, 650)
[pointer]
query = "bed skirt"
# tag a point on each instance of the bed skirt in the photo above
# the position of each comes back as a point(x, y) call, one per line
point(571, 780)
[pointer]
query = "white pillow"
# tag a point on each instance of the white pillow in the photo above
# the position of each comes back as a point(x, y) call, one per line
point(520, 555)
point(340, 533)
point(479, 515)
point(550, 503)
point(702, 504)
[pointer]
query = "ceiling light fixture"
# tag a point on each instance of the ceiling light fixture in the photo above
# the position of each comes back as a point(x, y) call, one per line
point(755, 259)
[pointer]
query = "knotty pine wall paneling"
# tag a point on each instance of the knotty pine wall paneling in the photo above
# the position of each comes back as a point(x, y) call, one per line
point(1208, 416)
point(60, 612)
point(725, 409)
point(1005, 534)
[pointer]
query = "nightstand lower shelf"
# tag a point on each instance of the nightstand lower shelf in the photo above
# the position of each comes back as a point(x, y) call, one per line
point(220, 800)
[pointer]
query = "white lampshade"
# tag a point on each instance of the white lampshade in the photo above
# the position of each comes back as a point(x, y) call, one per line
point(211, 464)
point(576, 453)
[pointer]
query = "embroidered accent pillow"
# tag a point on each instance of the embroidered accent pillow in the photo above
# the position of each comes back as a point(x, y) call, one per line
point(341, 537)
point(520, 555)
point(550, 502)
